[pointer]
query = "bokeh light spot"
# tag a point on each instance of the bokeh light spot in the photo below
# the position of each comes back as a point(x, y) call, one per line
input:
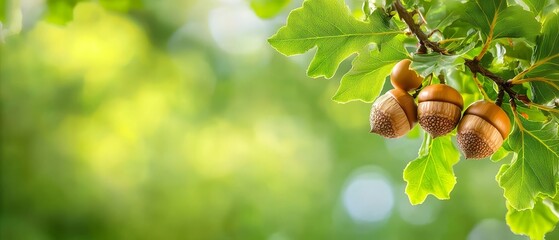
point(490, 229)
point(236, 29)
point(368, 197)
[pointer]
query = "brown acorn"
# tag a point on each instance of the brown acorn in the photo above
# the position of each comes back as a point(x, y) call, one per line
point(403, 77)
point(483, 129)
point(439, 108)
point(393, 114)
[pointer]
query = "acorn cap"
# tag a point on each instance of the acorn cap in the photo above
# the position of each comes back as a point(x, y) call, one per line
point(403, 77)
point(407, 103)
point(438, 118)
point(441, 93)
point(491, 113)
point(393, 114)
point(478, 138)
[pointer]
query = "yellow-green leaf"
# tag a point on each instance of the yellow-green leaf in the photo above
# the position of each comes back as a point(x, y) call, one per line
point(366, 78)
point(534, 169)
point(496, 19)
point(534, 223)
point(329, 26)
point(432, 173)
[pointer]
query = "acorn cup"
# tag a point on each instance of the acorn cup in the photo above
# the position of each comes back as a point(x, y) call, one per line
point(393, 114)
point(439, 109)
point(483, 129)
point(403, 77)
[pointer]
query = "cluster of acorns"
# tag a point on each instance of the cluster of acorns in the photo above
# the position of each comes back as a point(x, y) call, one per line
point(481, 130)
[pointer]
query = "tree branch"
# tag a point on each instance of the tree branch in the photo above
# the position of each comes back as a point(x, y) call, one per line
point(416, 29)
point(473, 64)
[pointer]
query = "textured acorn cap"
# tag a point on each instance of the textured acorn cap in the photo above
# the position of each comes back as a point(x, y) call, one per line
point(441, 93)
point(438, 118)
point(407, 103)
point(439, 109)
point(477, 137)
point(491, 113)
point(403, 77)
point(393, 114)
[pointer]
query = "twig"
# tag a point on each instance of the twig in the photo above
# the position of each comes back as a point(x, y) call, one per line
point(544, 108)
point(473, 64)
point(416, 29)
point(535, 79)
point(500, 96)
point(480, 88)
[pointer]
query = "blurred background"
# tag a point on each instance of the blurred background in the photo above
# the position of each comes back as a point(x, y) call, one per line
point(134, 119)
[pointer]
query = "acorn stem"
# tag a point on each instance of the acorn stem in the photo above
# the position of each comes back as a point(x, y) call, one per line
point(500, 96)
point(441, 79)
point(414, 95)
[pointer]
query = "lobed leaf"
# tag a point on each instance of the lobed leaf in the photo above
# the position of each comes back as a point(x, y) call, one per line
point(534, 223)
point(435, 63)
point(329, 26)
point(546, 62)
point(432, 173)
point(534, 169)
point(369, 70)
point(536, 6)
point(494, 18)
point(441, 13)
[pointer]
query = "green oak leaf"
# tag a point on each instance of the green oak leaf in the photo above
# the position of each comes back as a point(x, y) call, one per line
point(517, 48)
point(431, 172)
point(366, 78)
point(534, 223)
point(499, 154)
point(435, 63)
point(441, 13)
point(534, 169)
point(329, 25)
point(546, 60)
point(268, 8)
point(533, 114)
point(459, 41)
point(536, 6)
point(494, 17)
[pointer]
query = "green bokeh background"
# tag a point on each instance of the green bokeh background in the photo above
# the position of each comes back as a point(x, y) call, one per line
point(176, 120)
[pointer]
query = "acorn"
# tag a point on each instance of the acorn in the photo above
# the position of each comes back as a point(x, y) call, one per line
point(483, 129)
point(393, 114)
point(403, 77)
point(439, 109)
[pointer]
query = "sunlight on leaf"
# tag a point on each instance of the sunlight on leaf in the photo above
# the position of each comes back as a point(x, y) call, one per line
point(546, 59)
point(534, 223)
point(435, 63)
point(534, 169)
point(497, 20)
point(432, 173)
point(329, 26)
point(366, 78)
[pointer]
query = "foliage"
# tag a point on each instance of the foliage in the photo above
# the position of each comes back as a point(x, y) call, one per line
point(431, 172)
point(119, 114)
point(496, 40)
